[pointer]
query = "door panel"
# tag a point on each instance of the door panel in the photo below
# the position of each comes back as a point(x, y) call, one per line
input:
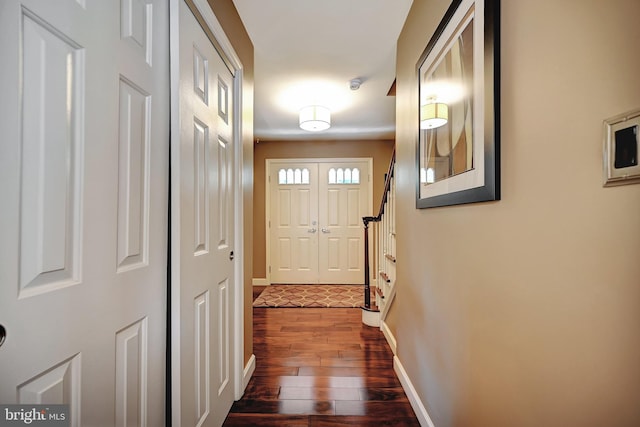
point(294, 216)
point(50, 192)
point(344, 200)
point(131, 368)
point(133, 175)
point(83, 180)
point(205, 176)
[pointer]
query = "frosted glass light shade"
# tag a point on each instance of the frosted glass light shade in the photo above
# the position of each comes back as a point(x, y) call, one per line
point(433, 115)
point(315, 118)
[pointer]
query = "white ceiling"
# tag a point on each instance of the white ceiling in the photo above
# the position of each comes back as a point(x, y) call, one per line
point(307, 52)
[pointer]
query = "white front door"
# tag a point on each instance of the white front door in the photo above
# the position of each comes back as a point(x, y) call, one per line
point(83, 182)
point(344, 200)
point(203, 168)
point(294, 222)
point(315, 220)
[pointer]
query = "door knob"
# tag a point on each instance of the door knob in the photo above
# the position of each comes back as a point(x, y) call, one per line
point(326, 230)
point(311, 230)
point(3, 335)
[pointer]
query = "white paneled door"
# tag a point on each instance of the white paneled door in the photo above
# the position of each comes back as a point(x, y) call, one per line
point(315, 220)
point(83, 183)
point(293, 222)
point(203, 169)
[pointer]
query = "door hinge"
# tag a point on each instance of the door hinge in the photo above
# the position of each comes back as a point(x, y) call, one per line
point(269, 269)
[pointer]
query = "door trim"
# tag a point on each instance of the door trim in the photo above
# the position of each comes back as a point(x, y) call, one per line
point(267, 200)
point(220, 41)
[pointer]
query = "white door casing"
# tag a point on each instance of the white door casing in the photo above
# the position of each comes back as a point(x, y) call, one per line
point(315, 232)
point(83, 181)
point(206, 314)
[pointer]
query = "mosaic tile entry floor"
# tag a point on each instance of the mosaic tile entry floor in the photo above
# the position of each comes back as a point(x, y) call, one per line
point(311, 296)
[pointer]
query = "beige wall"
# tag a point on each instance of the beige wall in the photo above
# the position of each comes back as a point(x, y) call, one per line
point(526, 311)
point(380, 151)
point(228, 17)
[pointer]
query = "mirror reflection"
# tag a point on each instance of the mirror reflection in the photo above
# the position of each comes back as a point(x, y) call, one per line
point(446, 114)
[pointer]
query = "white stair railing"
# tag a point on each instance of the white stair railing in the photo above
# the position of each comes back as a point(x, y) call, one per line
point(384, 250)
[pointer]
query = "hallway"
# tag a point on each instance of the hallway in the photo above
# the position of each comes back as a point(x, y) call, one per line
point(320, 367)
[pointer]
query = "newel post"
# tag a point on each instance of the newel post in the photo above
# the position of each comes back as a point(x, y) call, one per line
point(367, 285)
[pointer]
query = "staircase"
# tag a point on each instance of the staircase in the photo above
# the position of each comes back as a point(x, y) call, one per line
point(383, 254)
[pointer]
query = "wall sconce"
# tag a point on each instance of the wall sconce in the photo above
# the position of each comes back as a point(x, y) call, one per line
point(433, 115)
point(315, 118)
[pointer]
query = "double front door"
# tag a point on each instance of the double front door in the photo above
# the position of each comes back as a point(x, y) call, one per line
point(315, 220)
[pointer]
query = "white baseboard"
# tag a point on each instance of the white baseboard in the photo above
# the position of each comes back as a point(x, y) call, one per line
point(410, 391)
point(247, 373)
point(389, 336)
point(259, 282)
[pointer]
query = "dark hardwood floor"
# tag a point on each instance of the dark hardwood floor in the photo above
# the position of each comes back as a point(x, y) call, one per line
point(320, 367)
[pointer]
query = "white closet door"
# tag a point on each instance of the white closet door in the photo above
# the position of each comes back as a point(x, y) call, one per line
point(83, 183)
point(206, 215)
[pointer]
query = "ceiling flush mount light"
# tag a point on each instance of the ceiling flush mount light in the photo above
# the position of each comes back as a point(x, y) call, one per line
point(433, 115)
point(315, 118)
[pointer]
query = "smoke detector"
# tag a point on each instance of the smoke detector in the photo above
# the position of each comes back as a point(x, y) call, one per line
point(355, 84)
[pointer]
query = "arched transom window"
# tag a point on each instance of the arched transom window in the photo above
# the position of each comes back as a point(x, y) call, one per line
point(344, 176)
point(293, 176)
